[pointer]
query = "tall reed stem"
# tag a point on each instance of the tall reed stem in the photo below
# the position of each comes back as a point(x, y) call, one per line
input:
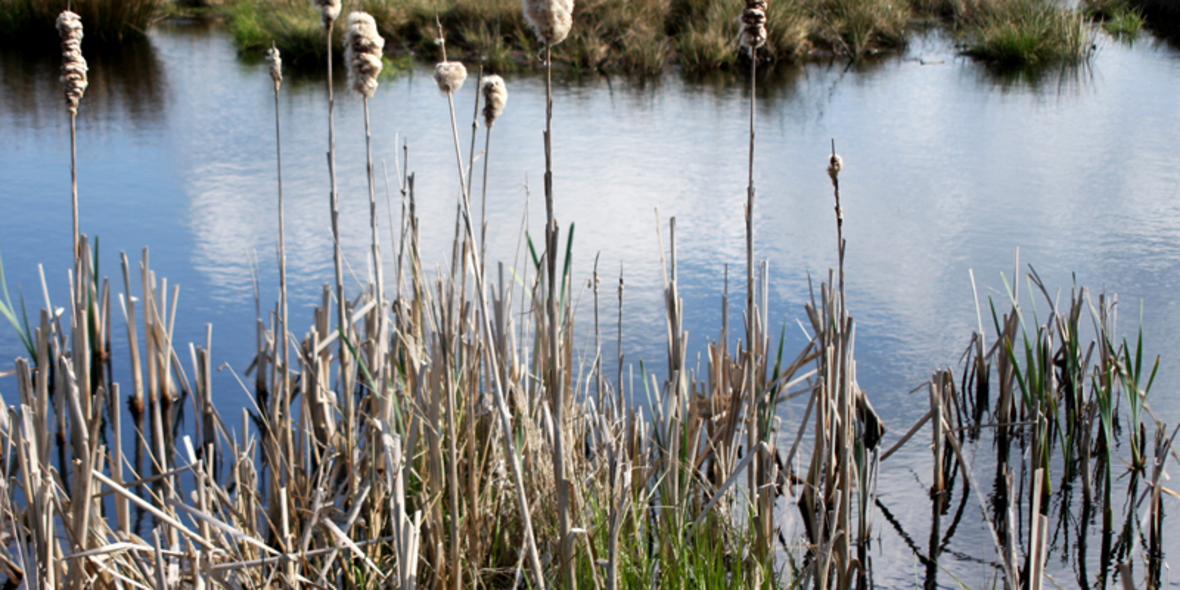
point(379, 350)
point(753, 337)
point(341, 315)
point(483, 201)
point(556, 380)
point(283, 391)
point(74, 186)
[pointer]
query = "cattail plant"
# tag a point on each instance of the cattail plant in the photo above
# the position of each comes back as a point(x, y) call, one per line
point(450, 77)
point(329, 11)
point(753, 36)
point(73, 77)
point(283, 391)
point(551, 21)
point(835, 163)
point(495, 96)
point(362, 53)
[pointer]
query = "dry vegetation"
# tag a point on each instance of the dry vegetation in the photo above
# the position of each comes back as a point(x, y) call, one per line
point(445, 431)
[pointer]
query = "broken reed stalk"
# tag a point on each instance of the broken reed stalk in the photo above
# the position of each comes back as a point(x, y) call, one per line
point(446, 79)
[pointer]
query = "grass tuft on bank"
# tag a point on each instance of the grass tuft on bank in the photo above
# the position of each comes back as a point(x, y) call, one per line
point(1026, 33)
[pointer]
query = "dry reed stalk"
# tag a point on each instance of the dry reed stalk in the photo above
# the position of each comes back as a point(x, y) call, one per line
point(282, 337)
point(753, 35)
point(330, 10)
point(449, 78)
point(551, 20)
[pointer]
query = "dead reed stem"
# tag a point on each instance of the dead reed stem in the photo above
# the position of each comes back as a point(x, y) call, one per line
point(556, 381)
point(378, 353)
point(282, 339)
point(74, 183)
point(337, 259)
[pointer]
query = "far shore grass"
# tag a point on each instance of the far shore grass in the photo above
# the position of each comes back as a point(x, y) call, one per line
point(636, 36)
point(648, 36)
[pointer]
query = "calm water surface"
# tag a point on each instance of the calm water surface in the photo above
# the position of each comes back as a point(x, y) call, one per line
point(948, 168)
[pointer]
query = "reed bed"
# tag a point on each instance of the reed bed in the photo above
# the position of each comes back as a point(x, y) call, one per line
point(1077, 453)
point(445, 433)
point(437, 438)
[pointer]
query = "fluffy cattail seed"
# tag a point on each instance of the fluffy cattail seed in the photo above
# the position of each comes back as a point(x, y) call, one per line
point(753, 21)
point(495, 96)
point(450, 76)
point(329, 10)
point(362, 52)
point(834, 166)
point(550, 19)
point(276, 64)
point(73, 65)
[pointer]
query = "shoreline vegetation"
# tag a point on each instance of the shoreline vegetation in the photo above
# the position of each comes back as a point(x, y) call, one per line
point(446, 430)
point(635, 36)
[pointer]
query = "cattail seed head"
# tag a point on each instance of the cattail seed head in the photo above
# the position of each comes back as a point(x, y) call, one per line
point(362, 53)
point(450, 75)
point(495, 96)
point(276, 64)
point(329, 10)
point(834, 166)
point(753, 21)
point(550, 19)
point(73, 65)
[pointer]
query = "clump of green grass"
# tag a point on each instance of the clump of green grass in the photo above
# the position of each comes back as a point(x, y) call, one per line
point(704, 33)
point(857, 28)
point(292, 25)
point(107, 21)
point(1026, 32)
point(1118, 17)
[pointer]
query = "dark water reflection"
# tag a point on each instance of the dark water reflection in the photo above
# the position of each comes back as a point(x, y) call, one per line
point(948, 168)
point(127, 84)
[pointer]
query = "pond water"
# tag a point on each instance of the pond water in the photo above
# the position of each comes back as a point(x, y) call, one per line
point(949, 168)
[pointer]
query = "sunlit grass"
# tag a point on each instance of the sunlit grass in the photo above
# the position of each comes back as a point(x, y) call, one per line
point(1027, 32)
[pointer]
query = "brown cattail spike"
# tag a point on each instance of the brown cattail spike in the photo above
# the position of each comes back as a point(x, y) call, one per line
point(495, 96)
point(329, 10)
point(362, 53)
point(450, 75)
point(550, 19)
point(753, 21)
point(73, 65)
